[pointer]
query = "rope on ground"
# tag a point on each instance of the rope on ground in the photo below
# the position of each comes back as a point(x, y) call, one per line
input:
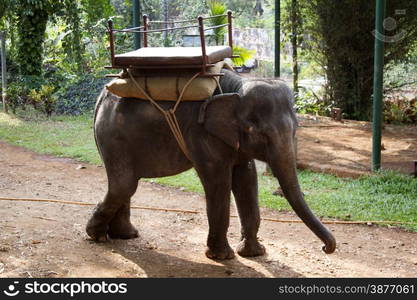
point(199, 212)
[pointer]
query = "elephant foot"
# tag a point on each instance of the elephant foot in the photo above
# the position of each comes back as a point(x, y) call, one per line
point(250, 248)
point(122, 230)
point(220, 254)
point(96, 231)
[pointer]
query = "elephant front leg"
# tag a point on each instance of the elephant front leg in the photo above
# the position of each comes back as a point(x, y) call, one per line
point(217, 188)
point(245, 190)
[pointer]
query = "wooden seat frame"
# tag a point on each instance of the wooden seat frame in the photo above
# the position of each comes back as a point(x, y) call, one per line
point(145, 30)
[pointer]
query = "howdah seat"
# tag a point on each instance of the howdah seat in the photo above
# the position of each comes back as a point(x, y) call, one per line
point(146, 57)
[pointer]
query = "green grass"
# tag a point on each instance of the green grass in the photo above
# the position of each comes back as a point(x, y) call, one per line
point(387, 196)
point(63, 136)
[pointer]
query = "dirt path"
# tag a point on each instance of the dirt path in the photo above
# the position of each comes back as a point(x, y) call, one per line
point(344, 148)
point(48, 240)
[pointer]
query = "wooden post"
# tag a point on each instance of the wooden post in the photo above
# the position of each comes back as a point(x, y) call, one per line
point(3, 71)
point(145, 28)
point(229, 21)
point(202, 42)
point(111, 40)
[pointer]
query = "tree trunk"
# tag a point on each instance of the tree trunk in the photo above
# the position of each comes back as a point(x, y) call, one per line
point(294, 45)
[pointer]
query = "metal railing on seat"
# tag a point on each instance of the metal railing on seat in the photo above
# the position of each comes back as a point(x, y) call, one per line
point(146, 29)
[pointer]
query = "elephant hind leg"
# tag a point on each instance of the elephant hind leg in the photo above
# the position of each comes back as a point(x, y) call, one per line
point(120, 226)
point(112, 216)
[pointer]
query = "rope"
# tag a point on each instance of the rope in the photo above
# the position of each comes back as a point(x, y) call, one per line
point(79, 203)
point(218, 84)
point(334, 222)
point(170, 114)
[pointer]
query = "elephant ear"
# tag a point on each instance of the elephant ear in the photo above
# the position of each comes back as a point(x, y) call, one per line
point(219, 119)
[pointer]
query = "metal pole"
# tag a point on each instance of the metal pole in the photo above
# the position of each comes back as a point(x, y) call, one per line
point(136, 22)
point(277, 37)
point(378, 85)
point(3, 70)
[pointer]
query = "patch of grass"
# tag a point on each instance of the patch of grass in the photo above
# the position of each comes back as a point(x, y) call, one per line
point(386, 196)
point(63, 136)
point(188, 180)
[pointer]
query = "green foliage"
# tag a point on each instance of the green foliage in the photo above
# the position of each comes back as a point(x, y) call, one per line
point(342, 43)
point(402, 74)
point(79, 96)
point(218, 8)
point(56, 42)
point(32, 19)
point(95, 10)
point(252, 13)
point(243, 55)
point(177, 9)
point(4, 6)
point(15, 96)
point(400, 110)
point(72, 40)
point(44, 96)
point(18, 90)
point(308, 102)
point(67, 136)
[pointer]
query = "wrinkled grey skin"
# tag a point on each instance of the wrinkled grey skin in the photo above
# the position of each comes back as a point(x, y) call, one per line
point(254, 119)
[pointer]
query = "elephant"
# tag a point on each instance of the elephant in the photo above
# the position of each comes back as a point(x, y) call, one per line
point(251, 119)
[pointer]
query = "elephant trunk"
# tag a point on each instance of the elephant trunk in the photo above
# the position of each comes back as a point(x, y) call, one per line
point(283, 165)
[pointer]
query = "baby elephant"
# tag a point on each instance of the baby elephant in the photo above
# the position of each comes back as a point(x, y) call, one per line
point(252, 119)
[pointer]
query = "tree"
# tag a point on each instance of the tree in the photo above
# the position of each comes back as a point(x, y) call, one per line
point(32, 17)
point(295, 19)
point(343, 43)
point(72, 41)
point(293, 28)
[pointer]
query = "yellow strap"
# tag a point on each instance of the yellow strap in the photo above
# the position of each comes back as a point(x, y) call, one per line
point(218, 84)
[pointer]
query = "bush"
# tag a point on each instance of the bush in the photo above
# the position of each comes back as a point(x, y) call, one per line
point(400, 110)
point(19, 88)
point(44, 96)
point(15, 96)
point(80, 95)
point(308, 102)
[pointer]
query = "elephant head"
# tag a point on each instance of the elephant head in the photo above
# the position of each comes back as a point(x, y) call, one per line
point(259, 121)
